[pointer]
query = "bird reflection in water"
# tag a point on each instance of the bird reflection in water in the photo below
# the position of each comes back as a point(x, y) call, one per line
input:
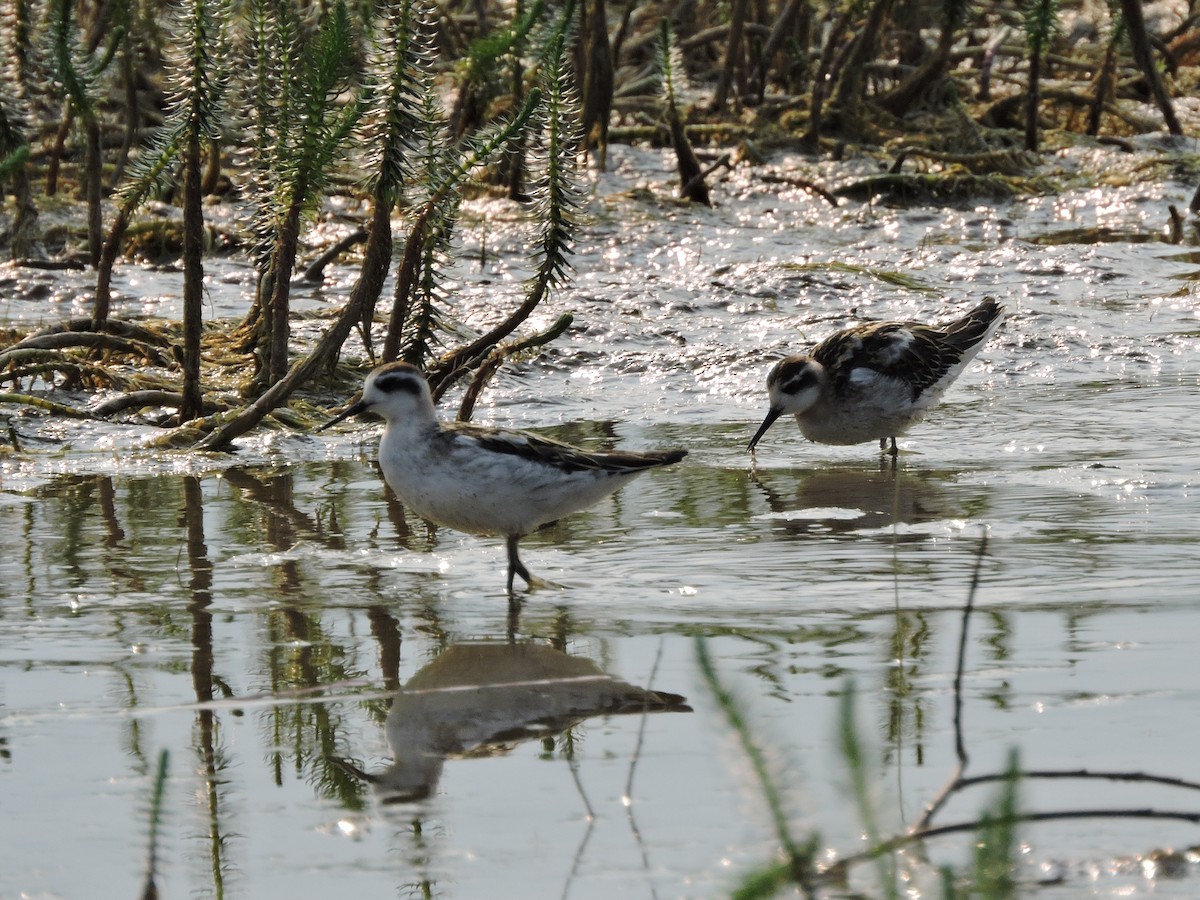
point(481, 699)
point(855, 499)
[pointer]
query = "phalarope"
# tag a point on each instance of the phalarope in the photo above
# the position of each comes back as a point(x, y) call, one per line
point(485, 480)
point(875, 380)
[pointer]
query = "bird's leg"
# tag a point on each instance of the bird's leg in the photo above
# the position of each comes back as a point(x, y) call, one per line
point(892, 450)
point(514, 616)
point(515, 566)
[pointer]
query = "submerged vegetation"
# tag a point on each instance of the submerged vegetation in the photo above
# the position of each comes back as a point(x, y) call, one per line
point(412, 107)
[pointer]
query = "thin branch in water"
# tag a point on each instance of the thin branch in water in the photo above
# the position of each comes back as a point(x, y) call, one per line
point(1137, 777)
point(316, 269)
point(959, 746)
point(960, 750)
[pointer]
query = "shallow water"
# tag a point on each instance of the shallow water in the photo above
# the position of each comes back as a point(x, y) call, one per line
point(256, 614)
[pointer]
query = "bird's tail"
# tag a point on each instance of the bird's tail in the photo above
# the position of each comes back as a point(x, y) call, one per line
point(977, 325)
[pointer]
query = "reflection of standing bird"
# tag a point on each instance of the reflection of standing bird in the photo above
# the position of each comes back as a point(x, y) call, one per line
point(482, 699)
point(875, 380)
point(485, 480)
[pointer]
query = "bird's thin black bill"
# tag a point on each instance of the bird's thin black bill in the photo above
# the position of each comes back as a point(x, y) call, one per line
point(352, 410)
point(772, 415)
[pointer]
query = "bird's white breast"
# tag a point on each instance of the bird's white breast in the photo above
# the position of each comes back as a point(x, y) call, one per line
point(871, 406)
point(459, 483)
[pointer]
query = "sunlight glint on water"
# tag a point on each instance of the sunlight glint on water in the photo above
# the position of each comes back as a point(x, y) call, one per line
point(286, 575)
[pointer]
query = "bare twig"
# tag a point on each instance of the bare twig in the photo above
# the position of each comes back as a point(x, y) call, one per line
point(960, 749)
point(316, 269)
point(491, 364)
point(58, 409)
point(912, 837)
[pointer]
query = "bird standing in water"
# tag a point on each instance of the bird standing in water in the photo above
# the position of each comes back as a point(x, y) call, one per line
point(485, 480)
point(873, 381)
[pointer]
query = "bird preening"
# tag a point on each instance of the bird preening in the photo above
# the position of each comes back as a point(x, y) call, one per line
point(873, 381)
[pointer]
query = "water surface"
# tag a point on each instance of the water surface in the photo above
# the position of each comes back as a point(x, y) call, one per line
point(257, 614)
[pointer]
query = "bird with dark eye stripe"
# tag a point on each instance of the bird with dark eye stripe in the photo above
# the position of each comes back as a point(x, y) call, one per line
point(485, 480)
point(873, 381)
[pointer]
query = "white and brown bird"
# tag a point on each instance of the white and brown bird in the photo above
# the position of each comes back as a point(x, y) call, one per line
point(485, 480)
point(875, 380)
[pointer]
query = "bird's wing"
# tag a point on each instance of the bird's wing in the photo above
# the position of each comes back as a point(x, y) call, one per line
point(911, 352)
point(562, 456)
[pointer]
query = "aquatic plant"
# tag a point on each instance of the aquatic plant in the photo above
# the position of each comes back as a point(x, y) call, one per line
point(954, 14)
point(400, 107)
point(126, 54)
point(1139, 40)
point(490, 68)
point(415, 158)
point(547, 125)
point(77, 72)
point(994, 860)
point(311, 75)
point(597, 81)
point(195, 114)
point(673, 77)
point(555, 200)
point(996, 845)
point(799, 865)
point(1041, 26)
point(150, 887)
point(301, 129)
point(14, 139)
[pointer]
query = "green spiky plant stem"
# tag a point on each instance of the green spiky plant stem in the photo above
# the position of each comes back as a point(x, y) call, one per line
point(405, 51)
point(855, 759)
point(200, 99)
point(77, 74)
point(483, 67)
point(402, 96)
point(954, 14)
point(1106, 77)
point(555, 208)
point(193, 278)
point(125, 48)
point(671, 71)
point(283, 261)
point(14, 148)
point(799, 867)
point(150, 888)
point(429, 229)
point(1139, 40)
point(315, 132)
point(996, 849)
point(194, 109)
point(155, 173)
point(20, 45)
point(1041, 23)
